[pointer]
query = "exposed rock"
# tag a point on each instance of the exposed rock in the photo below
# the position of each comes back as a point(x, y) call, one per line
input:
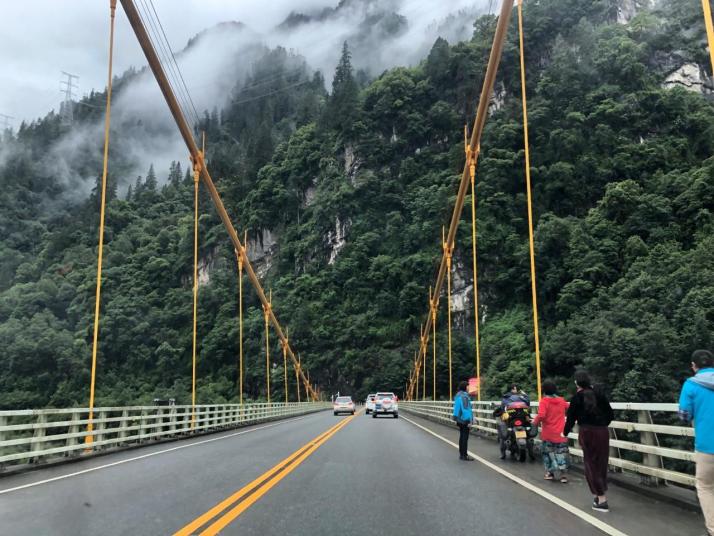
point(204, 268)
point(460, 291)
point(336, 241)
point(691, 77)
point(628, 9)
point(261, 251)
point(309, 196)
point(352, 163)
point(349, 158)
point(204, 271)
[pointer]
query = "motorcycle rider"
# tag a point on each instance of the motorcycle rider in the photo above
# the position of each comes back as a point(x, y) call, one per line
point(514, 394)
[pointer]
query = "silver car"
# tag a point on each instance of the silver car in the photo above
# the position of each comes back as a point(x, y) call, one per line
point(343, 404)
point(369, 404)
point(385, 404)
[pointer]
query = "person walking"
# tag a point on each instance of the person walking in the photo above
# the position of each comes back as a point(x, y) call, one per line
point(463, 415)
point(696, 402)
point(554, 447)
point(592, 411)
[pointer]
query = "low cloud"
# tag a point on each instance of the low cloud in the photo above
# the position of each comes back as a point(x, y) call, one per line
point(381, 34)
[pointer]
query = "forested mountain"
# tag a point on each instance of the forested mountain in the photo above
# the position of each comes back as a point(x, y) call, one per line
point(343, 192)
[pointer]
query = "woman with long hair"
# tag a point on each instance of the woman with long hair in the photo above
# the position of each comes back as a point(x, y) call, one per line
point(592, 411)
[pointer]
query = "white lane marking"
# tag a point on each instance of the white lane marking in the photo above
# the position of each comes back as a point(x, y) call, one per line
point(120, 462)
point(595, 522)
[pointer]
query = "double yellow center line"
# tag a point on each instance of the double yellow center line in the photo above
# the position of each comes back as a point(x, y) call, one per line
point(242, 499)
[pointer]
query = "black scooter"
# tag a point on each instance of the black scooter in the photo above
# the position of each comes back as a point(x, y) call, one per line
point(516, 432)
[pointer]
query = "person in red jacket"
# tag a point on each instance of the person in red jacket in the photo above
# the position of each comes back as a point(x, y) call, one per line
point(554, 447)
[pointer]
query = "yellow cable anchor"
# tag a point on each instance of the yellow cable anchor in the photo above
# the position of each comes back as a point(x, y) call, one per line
point(89, 438)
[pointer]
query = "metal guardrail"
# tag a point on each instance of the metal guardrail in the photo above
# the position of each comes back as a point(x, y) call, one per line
point(638, 449)
point(33, 436)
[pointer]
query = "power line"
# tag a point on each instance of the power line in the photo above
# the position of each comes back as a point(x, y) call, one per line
point(272, 92)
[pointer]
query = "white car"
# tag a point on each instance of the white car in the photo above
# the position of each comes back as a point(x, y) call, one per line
point(343, 404)
point(369, 404)
point(385, 404)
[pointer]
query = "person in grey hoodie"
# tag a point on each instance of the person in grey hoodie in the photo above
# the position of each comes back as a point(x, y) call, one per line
point(696, 402)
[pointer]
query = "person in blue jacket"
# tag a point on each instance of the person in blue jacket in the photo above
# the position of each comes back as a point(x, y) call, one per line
point(696, 402)
point(463, 415)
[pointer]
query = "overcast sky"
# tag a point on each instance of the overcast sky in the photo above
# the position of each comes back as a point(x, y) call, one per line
point(41, 38)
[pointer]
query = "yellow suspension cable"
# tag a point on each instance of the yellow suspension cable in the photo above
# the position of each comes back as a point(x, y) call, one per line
point(414, 378)
point(706, 6)
point(285, 365)
point(266, 314)
point(478, 128)
point(297, 378)
point(424, 348)
point(432, 305)
point(239, 256)
point(471, 157)
point(89, 438)
point(196, 173)
point(530, 204)
point(416, 385)
point(448, 250)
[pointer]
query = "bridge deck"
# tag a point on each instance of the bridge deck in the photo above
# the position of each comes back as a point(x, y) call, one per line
point(385, 475)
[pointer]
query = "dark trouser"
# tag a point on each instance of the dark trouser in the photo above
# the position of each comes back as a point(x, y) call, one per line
point(595, 441)
point(463, 440)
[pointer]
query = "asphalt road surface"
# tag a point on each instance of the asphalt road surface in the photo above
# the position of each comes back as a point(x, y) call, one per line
point(312, 475)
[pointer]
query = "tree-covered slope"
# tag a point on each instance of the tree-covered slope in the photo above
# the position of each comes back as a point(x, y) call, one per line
point(344, 195)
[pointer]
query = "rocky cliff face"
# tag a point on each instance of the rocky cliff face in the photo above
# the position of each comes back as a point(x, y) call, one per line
point(627, 9)
point(692, 77)
point(261, 251)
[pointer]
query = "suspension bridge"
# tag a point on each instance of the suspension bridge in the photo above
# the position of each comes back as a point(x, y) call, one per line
point(289, 466)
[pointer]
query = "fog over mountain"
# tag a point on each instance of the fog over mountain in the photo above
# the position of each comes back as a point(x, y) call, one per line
point(380, 33)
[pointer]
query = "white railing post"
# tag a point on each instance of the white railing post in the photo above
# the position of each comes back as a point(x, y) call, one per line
point(3, 423)
point(72, 429)
point(172, 419)
point(124, 422)
point(650, 460)
point(142, 425)
point(100, 427)
point(37, 437)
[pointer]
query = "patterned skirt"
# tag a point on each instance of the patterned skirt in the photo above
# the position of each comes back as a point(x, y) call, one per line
point(555, 456)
